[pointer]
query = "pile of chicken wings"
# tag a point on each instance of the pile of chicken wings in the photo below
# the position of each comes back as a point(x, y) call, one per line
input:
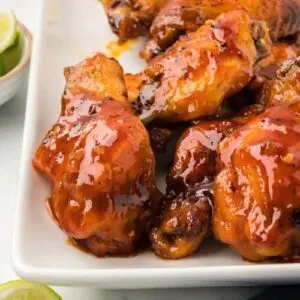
point(228, 71)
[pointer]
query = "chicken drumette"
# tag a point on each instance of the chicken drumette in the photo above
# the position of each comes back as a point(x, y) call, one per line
point(203, 68)
point(178, 16)
point(257, 190)
point(100, 163)
point(131, 18)
point(185, 216)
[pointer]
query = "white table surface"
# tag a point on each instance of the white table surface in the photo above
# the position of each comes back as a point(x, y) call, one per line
point(11, 129)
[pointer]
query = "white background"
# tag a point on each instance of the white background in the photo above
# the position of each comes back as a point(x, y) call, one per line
point(11, 128)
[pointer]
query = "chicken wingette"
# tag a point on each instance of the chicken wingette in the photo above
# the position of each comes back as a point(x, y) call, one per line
point(178, 16)
point(203, 68)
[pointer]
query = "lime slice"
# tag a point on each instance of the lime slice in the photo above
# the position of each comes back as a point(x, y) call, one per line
point(25, 290)
point(8, 29)
point(2, 69)
point(11, 56)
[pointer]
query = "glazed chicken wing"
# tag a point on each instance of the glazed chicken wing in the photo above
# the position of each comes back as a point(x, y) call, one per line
point(203, 68)
point(257, 197)
point(266, 69)
point(285, 88)
point(178, 16)
point(131, 18)
point(185, 217)
point(100, 163)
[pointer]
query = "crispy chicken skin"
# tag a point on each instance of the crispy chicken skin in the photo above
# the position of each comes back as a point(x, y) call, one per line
point(257, 198)
point(132, 82)
point(285, 88)
point(99, 77)
point(99, 160)
point(185, 216)
point(203, 68)
point(131, 18)
point(178, 16)
point(266, 69)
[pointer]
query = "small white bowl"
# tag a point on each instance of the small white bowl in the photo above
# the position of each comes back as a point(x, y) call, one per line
point(11, 82)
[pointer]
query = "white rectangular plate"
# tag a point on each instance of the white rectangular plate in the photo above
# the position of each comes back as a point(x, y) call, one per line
point(71, 30)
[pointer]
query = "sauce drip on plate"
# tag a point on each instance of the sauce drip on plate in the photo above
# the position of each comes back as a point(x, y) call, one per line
point(117, 48)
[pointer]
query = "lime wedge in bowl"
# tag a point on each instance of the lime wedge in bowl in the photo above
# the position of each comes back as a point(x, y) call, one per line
point(2, 68)
point(12, 55)
point(8, 29)
point(26, 290)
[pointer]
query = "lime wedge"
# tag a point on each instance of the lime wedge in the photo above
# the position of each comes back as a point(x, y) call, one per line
point(8, 29)
point(25, 290)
